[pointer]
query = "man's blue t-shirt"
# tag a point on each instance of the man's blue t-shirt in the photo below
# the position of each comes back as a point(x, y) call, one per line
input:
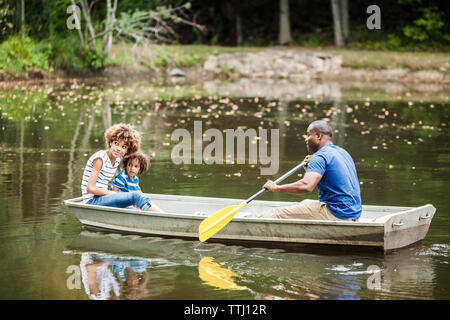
point(339, 186)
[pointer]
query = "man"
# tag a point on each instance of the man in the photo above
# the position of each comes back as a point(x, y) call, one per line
point(333, 171)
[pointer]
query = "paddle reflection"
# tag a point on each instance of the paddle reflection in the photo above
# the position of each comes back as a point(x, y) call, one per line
point(217, 276)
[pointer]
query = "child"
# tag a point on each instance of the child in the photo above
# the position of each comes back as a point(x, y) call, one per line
point(127, 180)
point(122, 140)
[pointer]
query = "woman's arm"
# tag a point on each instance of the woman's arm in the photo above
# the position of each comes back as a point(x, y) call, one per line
point(92, 182)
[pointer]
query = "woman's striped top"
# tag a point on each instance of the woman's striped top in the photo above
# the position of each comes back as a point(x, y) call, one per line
point(104, 177)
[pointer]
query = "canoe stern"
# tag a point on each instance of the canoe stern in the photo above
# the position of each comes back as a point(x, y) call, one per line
point(407, 227)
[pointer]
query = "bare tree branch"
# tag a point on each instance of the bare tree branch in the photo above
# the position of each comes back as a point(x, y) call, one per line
point(89, 26)
point(139, 27)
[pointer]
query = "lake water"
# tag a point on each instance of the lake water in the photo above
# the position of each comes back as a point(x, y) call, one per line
point(399, 142)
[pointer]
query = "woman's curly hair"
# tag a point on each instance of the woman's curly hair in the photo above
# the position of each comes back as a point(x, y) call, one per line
point(126, 132)
point(144, 162)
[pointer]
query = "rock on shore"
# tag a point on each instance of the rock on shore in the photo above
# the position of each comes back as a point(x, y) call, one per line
point(275, 64)
point(297, 66)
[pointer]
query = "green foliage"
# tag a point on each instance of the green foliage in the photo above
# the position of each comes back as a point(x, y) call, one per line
point(427, 26)
point(187, 60)
point(21, 54)
point(6, 17)
point(165, 58)
point(58, 18)
point(67, 52)
point(94, 59)
point(394, 42)
point(317, 38)
point(407, 25)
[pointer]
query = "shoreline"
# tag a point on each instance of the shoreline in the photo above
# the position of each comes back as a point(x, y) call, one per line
point(429, 81)
point(198, 74)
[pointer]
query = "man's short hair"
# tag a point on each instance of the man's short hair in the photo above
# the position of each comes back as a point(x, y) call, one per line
point(321, 126)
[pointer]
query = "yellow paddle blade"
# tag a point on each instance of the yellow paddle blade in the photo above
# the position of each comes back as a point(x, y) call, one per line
point(217, 276)
point(214, 223)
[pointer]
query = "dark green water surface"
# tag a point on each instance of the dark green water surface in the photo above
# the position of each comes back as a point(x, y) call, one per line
point(48, 131)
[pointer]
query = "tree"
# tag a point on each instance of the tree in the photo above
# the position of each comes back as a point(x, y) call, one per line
point(285, 24)
point(22, 14)
point(339, 10)
point(239, 36)
point(153, 25)
point(345, 19)
point(109, 25)
point(89, 25)
point(140, 27)
point(6, 17)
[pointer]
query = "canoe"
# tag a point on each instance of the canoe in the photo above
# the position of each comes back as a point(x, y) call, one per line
point(383, 227)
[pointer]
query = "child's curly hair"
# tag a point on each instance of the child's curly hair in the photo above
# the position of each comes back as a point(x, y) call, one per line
point(144, 162)
point(123, 131)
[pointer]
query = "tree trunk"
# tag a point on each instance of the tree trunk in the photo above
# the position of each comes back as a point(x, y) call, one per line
point(22, 14)
point(285, 27)
point(345, 19)
point(80, 34)
point(338, 35)
point(89, 26)
point(110, 20)
point(239, 37)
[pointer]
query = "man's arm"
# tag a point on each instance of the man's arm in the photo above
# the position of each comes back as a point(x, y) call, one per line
point(305, 185)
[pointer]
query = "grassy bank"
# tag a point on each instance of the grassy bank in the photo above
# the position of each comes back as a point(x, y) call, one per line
point(191, 55)
point(22, 59)
point(162, 56)
point(383, 60)
point(195, 55)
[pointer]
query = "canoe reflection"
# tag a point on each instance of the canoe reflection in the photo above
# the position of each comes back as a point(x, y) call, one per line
point(132, 267)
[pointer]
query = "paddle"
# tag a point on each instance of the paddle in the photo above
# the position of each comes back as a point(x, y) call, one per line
point(214, 223)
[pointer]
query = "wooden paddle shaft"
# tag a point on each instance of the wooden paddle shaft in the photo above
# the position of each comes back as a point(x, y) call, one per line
point(287, 174)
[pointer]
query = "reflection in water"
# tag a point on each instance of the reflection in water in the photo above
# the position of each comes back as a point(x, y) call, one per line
point(106, 113)
point(132, 267)
point(107, 277)
point(109, 272)
point(98, 280)
point(215, 275)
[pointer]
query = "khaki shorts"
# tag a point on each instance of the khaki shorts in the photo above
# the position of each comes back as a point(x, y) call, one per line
point(307, 209)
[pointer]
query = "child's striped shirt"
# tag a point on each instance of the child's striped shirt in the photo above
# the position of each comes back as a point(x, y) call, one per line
point(124, 183)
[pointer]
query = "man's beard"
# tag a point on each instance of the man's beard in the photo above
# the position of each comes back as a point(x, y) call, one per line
point(312, 148)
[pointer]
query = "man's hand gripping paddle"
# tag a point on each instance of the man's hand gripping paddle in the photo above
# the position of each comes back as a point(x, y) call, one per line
point(214, 223)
